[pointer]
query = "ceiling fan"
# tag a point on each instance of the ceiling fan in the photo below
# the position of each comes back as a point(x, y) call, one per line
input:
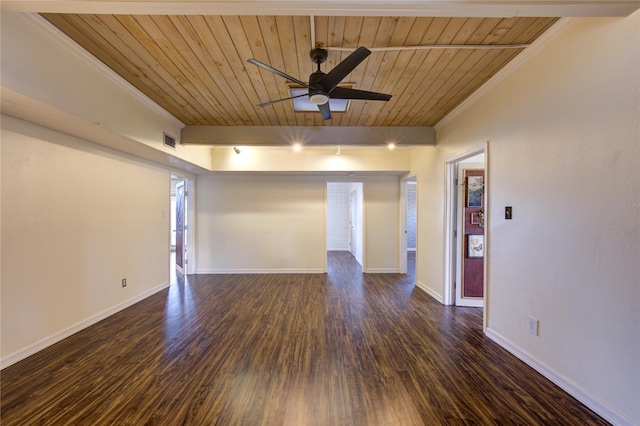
point(323, 87)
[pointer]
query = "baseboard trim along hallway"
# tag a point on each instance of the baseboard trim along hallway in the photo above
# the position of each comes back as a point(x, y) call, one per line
point(73, 329)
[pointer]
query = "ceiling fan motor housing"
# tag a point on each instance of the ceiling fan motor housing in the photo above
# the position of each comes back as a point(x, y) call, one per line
point(318, 55)
point(317, 94)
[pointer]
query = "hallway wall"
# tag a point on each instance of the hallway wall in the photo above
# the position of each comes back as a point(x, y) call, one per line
point(563, 151)
point(76, 219)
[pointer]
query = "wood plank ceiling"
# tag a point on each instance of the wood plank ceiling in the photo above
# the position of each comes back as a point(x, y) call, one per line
point(196, 67)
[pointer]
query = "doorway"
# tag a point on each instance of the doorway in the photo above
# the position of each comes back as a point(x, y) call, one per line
point(181, 229)
point(409, 229)
point(345, 223)
point(469, 288)
point(466, 230)
point(180, 225)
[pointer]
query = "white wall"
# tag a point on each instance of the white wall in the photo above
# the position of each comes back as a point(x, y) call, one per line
point(260, 223)
point(338, 220)
point(382, 215)
point(276, 223)
point(311, 159)
point(76, 219)
point(564, 151)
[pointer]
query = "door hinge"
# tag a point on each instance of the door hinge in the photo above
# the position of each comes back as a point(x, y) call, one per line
point(455, 233)
point(186, 227)
point(455, 285)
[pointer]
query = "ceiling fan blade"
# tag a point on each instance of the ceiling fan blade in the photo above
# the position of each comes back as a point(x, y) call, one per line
point(345, 93)
point(335, 76)
point(325, 111)
point(280, 100)
point(278, 72)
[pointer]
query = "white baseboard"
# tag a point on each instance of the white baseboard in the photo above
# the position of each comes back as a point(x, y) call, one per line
point(260, 271)
point(63, 334)
point(573, 389)
point(381, 271)
point(422, 286)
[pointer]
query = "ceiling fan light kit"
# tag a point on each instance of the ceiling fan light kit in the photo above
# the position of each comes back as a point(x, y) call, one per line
point(319, 98)
point(321, 86)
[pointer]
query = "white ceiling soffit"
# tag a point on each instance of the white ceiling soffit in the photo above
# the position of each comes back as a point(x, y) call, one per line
point(472, 8)
point(308, 135)
point(27, 109)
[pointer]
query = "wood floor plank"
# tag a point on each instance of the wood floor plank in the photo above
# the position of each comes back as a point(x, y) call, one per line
point(342, 348)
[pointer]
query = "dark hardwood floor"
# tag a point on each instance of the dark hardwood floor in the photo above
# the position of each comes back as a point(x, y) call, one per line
point(310, 349)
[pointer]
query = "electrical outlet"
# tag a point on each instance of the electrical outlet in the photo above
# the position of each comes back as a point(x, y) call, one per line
point(124, 282)
point(532, 325)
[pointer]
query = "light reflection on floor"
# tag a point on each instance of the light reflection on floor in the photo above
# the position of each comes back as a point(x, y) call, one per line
point(180, 304)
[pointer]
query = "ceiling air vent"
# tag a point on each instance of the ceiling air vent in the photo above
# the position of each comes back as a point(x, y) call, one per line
point(169, 141)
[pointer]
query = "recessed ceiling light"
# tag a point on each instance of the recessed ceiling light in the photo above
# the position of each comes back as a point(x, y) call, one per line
point(297, 147)
point(391, 145)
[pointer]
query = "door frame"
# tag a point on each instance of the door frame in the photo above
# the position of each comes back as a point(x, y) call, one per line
point(190, 197)
point(451, 224)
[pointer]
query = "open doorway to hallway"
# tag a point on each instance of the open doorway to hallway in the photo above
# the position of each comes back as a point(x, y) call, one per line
point(345, 223)
point(175, 180)
point(466, 204)
point(470, 251)
point(181, 233)
point(408, 245)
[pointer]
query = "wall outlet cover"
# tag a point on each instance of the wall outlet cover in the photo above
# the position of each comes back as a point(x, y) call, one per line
point(532, 325)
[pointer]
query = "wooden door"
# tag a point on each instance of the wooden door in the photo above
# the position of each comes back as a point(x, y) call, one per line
point(470, 285)
point(473, 265)
point(180, 247)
